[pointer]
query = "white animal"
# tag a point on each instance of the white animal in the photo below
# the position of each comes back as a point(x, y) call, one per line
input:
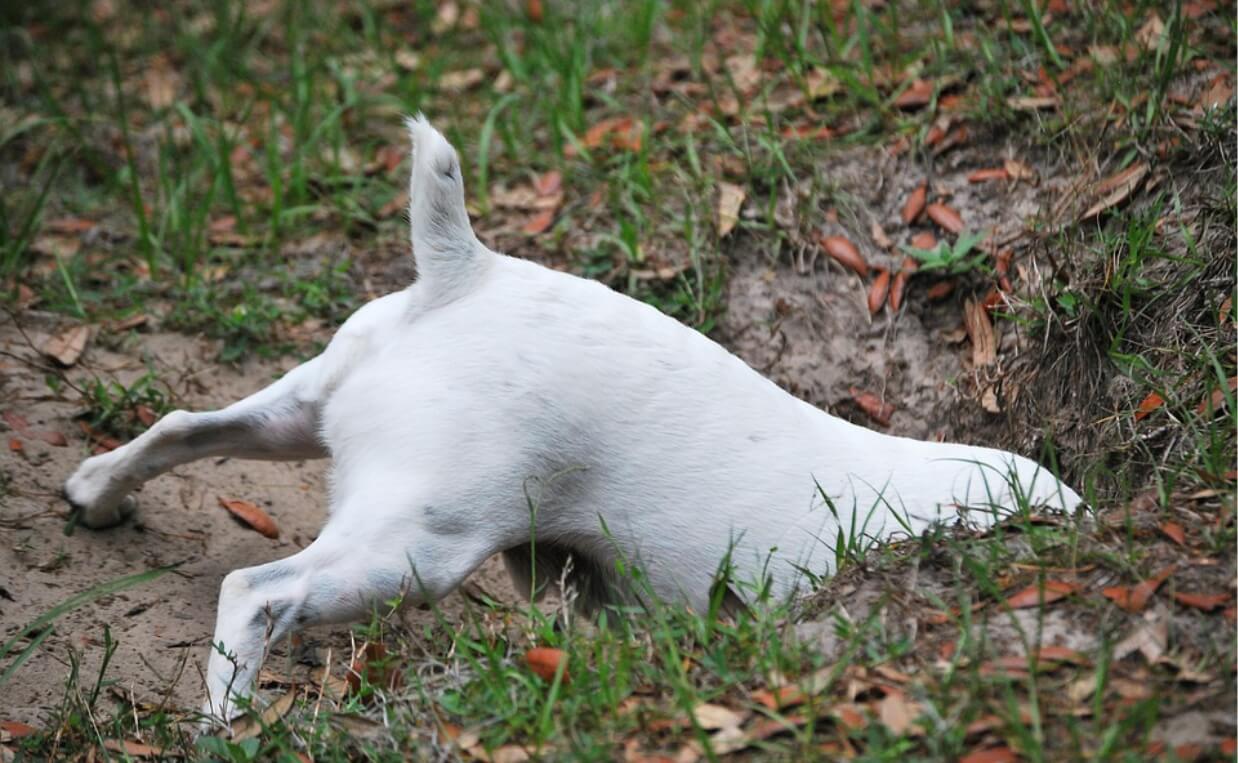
point(496, 406)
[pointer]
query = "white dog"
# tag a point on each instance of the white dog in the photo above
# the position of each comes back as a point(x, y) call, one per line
point(497, 406)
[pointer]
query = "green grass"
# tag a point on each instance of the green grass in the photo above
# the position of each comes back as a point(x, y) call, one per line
point(212, 144)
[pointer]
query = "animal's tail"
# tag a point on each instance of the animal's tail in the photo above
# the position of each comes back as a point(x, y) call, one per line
point(447, 253)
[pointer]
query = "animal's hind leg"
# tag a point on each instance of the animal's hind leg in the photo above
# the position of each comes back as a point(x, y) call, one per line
point(344, 575)
point(277, 423)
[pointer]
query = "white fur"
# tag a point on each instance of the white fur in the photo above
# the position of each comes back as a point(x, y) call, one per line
point(495, 403)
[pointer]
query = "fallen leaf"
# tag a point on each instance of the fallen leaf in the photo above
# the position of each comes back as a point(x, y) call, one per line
point(988, 400)
point(991, 755)
point(1052, 591)
point(1174, 532)
point(548, 183)
point(15, 445)
point(919, 93)
point(1217, 400)
point(850, 716)
point(461, 80)
point(1032, 102)
point(730, 198)
point(67, 346)
point(125, 324)
point(878, 291)
point(16, 729)
point(251, 515)
point(373, 663)
point(249, 727)
point(509, 753)
point(538, 223)
point(881, 239)
point(102, 441)
point(1205, 601)
point(1148, 405)
point(987, 175)
point(545, 661)
point(712, 717)
point(1229, 746)
point(1149, 35)
point(924, 240)
point(915, 203)
point(845, 253)
point(876, 409)
point(781, 697)
point(1116, 188)
point(1017, 170)
point(133, 749)
point(69, 225)
point(898, 288)
point(896, 713)
point(945, 217)
point(940, 290)
point(49, 436)
point(1217, 95)
point(1136, 599)
point(980, 331)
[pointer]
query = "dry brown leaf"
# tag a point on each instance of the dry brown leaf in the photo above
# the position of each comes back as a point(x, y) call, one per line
point(1032, 102)
point(1149, 35)
point(548, 183)
point(69, 225)
point(247, 727)
point(1205, 601)
point(1017, 170)
point(545, 661)
point(67, 346)
point(133, 749)
point(16, 729)
point(1217, 400)
point(1114, 189)
point(845, 253)
point(1174, 532)
point(460, 80)
point(251, 515)
point(849, 715)
point(1148, 405)
point(1135, 599)
point(898, 288)
point(1150, 638)
point(879, 236)
point(980, 331)
point(876, 409)
point(919, 93)
point(945, 217)
point(730, 198)
point(373, 663)
point(712, 717)
point(1052, 591)
point(1217, 95)
point(915, 204)
point(538, 223)
point(896, 713)
point(781, 697)
point(924, 240)
point(878, 291)
point(987, 175)
point(991, 755)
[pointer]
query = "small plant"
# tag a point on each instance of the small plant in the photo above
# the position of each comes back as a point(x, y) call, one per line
point(125, 411)
point(950, 259)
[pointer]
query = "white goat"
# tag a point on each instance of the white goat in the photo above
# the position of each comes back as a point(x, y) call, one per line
point(494, 404)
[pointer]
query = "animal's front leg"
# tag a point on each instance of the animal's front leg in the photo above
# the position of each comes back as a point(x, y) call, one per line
point(278, 423)
point(344, 575)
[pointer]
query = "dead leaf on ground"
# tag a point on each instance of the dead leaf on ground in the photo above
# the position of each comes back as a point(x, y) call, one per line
point(712, 717)
point(69, 225)
point(915, 203)
point(1217, 400)
point(1135, 599)
point(1032, 102)
point(988, 175)
point(460, 80)
point(67, 346)
point(878, 291)
point(896, 713)
point(730, 198)
point(876, 409)
point(1150, 638)
point(16, 729)
point(879, 236)
point(538, 223)
point(1052, 591)
point(1114, 189)
point(1148, 405)
point(991, 755)
point(845, 253)
point(251, 515)
point(945, 217)
point(919, 93)
point(980, 331)
point(1017, 170)
point(898, 287)
point(924, 240)
point(133, 749)
point(1174, 532)
point(247, 727)
point(1205, 601)
point(545, 661)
